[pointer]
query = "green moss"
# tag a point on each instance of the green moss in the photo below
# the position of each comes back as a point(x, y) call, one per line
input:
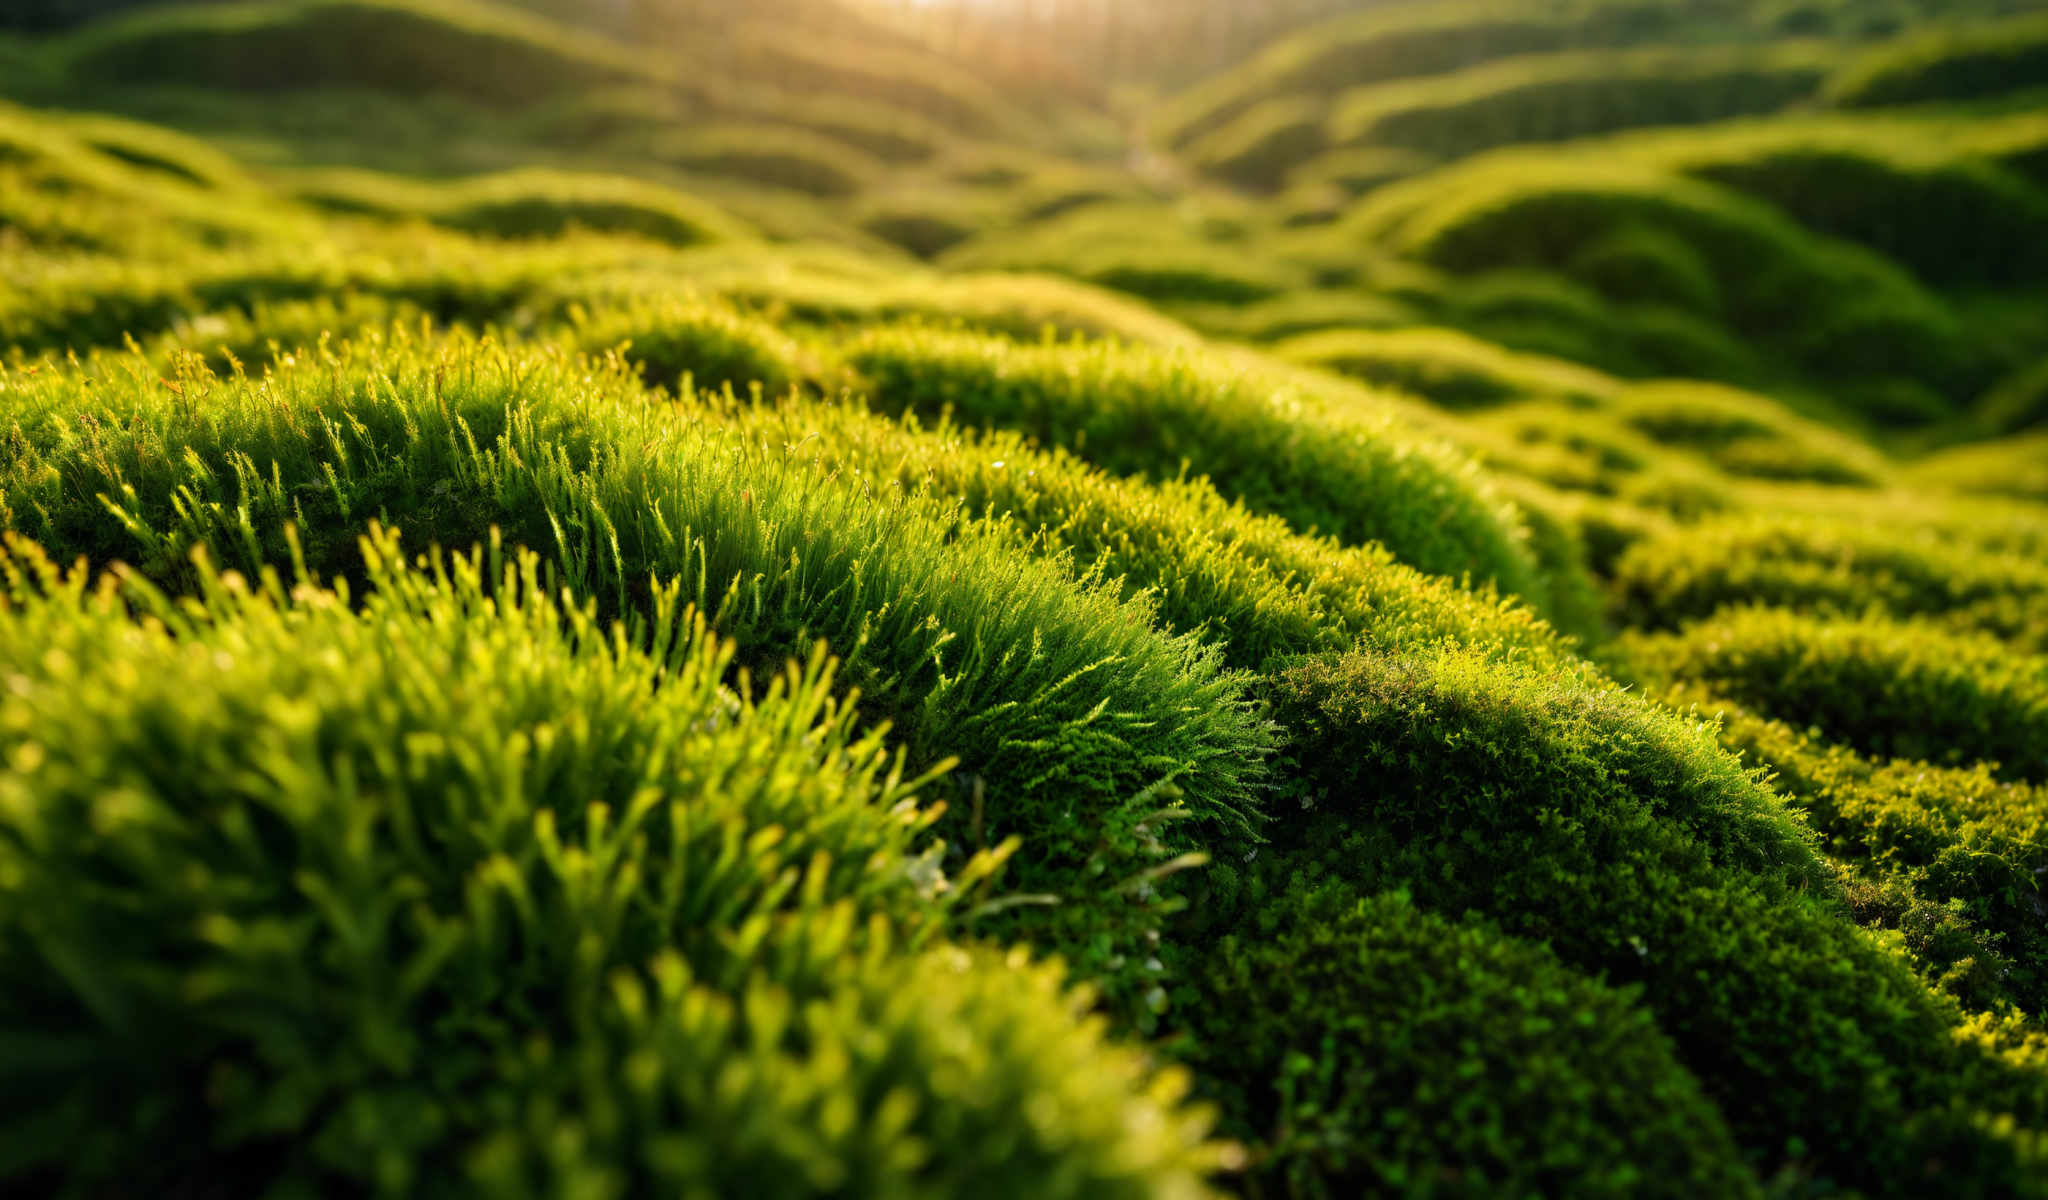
point(1247, 580)
point(676, 344)
point(1552, 98)
point(1619, 834)
point(1884, 687)
point(386, 888)
point(1948, 64)
point(2019, 402)
point(1259, 148)
point(1830, 567)
point(1954, 855)
point(482, 53)
point(1154, 415)
point(1367, 1046)
point(1062, 699)
point(1749, 435)
point(2016, 467)
point(1827, 306)
point(1447, 368)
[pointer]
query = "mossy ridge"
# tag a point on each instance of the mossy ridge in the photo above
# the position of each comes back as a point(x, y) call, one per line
point(1554, 98)
point(314, 960)
point(1889, 688)
point(1948, 858)
point(1447, 368)
point(1321, 468)
point(1258, 587)
point(1830, 567)
point(1819, 303)
point(1948, 64)
point(1367, 1045)
point(1042, 688)
point(1622, 836)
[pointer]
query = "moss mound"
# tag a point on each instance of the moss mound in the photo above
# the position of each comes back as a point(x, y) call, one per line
point(253, 980)
point(1374, 1047)
point(1152, 415)
point(1887, 688)
point(1621, 836)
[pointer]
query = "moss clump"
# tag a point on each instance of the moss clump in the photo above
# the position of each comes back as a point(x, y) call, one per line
point(388, 885)
point(1829, 567)
point(1621, 835)
point(1888, 688)
point(678, 343)
point(1366, 1046)
point(1154, 415)
point(1104, 745)
point(1447, 368)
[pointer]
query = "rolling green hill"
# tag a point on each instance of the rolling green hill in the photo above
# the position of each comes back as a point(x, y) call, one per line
point(612, 600)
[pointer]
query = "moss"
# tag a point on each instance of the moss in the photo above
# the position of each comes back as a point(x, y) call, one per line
point(1447, 368)
point(1158, 416)
point(1947, 64)
point(955, 636)
point(1364, 1045)
point(676, 344)
point(1828, 567)
point(1888, 688)
point(1621, 835)
point(482, 53)
point(316, 964)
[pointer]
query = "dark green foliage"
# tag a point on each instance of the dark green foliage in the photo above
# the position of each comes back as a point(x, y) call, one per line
point(1619, 834)
point(1887, 688)
point(1960, 853)
point(1372, 1048)
point(1948, 64)
point(2019, 402)
point(382, 893)
point(1154, 415)
point(472, 50)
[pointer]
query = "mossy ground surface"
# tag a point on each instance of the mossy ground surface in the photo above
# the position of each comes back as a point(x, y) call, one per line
point(662, 602)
